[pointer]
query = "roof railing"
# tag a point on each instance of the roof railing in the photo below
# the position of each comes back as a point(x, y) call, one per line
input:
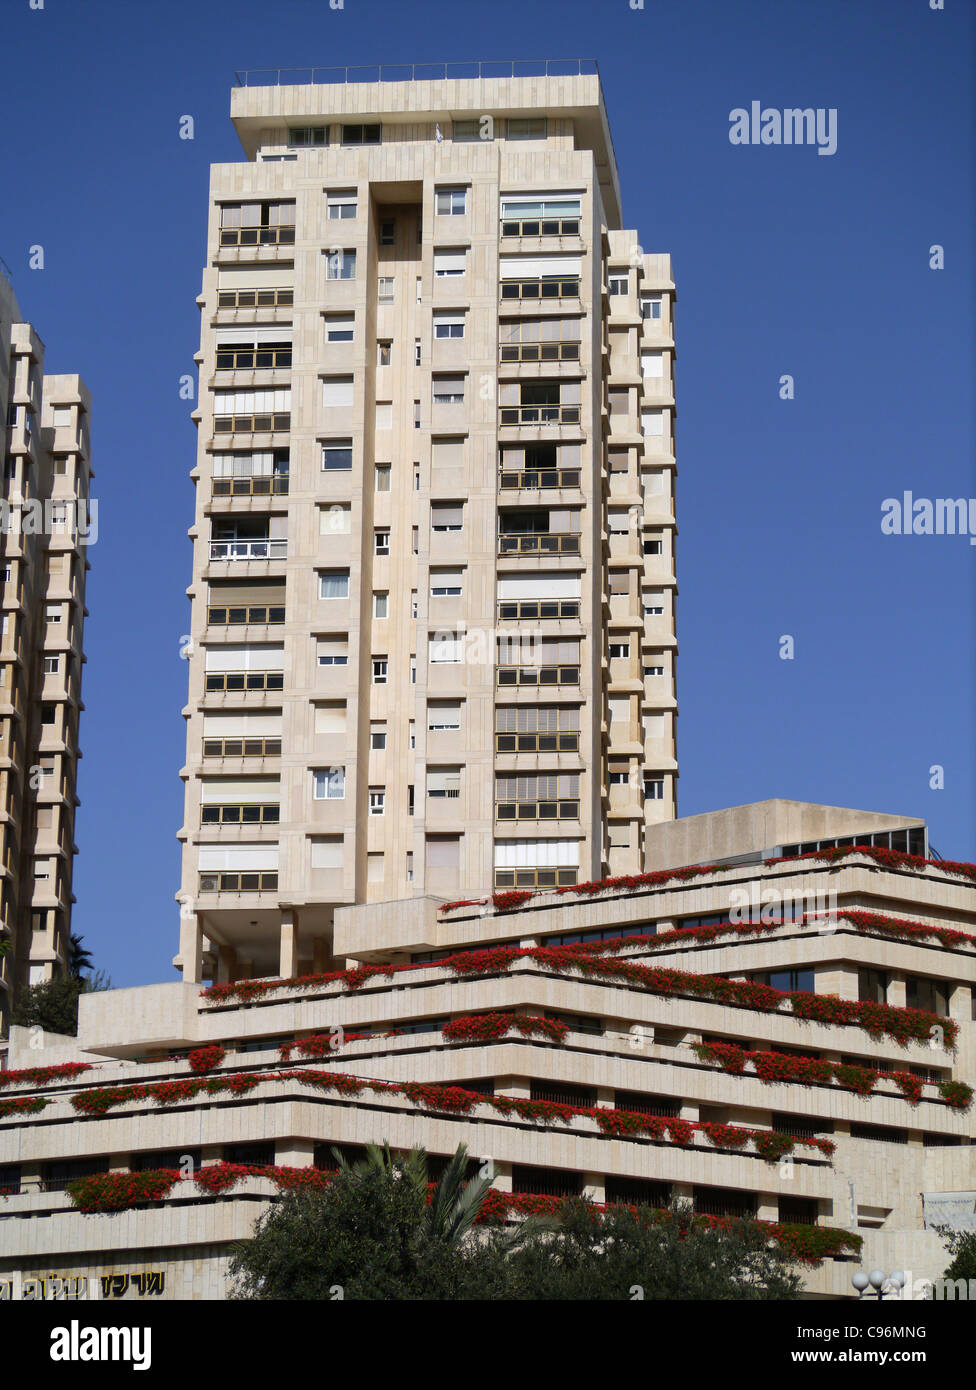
point(419, 72)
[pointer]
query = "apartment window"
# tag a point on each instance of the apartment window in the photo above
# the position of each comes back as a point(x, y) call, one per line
point(653, 670)
point(450, 264)
point(5, 573)
point(619, 401)
point(412, 734)
point(416, 352)
point(361, 134)
point(872, 985)
point(385, 289)
point(330, 784)
point(413, 670)
point(337, 391)
point(652, 423)
point(446, 583)
point(377, 801)
point(653, 547)
point(336, 519)
point(472, 130)
point(446, 516)
point(61, 464)
point(444, 782)
point(340, 265)
point(527, 128)
point(651, 307)
point(384, 353)
point(381, 605)
point(381, 540)
point(618, 283)
point(308, 135)
point(334, 584)
point(377, 737)
point(449, 325)
point(618, 778)
point(380, 672)
point(451, 202)
point(52, 612)
point(388, 231)
point(413, 603)
point(653, 605)
point(333, 651)
point(619, 650)
point(383, 474)
point(410, 867)
point(654, 788)
point(415, 539)
point(446, 648)
point(341, 205)
point(444, 717)
point(52, 664)
point(337, 455)
point(416, 415)
point(340, 328)
point(410, 800)
point(416, 482)
point(384, 415)
point(49, 714)
point(448, 390)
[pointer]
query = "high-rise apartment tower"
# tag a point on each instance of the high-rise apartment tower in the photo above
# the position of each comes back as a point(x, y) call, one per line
point(432, 640)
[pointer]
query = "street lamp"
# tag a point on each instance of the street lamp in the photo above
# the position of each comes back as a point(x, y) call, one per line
point(877, 1283)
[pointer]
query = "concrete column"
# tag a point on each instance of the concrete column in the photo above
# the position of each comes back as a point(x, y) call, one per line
point(897, 991)
point(604, 1096)
point(961, 1003)
point(288, 957)
point(320, 955)
point(295, 1153)
point(767, 1207)
point(226, 964)
point(191, 948)
point(594, 1187)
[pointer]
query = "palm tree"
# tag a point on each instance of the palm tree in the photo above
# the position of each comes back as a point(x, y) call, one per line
point(454, 1204)
point(79, 957)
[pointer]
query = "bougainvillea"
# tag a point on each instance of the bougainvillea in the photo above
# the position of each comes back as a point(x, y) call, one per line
point(43, 1076)
point(485, 1027)
point(119, 1191)
point(509, 900)
point(319, 1044)
point(206, 1058)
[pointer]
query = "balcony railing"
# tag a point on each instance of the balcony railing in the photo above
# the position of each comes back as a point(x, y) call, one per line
point(250, 359)
point(557, 287)
point(265, 881)
point(266, 549)
point(544, 226)
point(537, 810)
point(252, 424)
point(256, 299)
point(540, 352)
point(538, 675)
point(239, 615)
point(420, 72)
point(538, 543)
point(242, 747)
point(248, 813)
point(510, 478)
point(535, 878)
point(229, 682)
point(567, 742)
point(517, 610)
point(539, 415)
point(283, 235)
point(276, 486)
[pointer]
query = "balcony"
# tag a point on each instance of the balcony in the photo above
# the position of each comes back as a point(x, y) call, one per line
point(274, 486)
point(281, 235)
point(521, 610)
point(551, 287)
point(558, 742)
point(231, 682)
point(261, 549)
point(537, 810)
point(545, 226)
point(240, 615)
point(271, 423)
point(510, 479)
point(539, 352)
point(242, 747)
point(536, 878)
point(258, 882)
point(539, 415)
point(250, 813)
point(538, 675)
point(278, 298)
point(538, 543)
point(252, 359)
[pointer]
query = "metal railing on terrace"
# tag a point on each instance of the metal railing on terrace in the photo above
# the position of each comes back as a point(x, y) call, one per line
point(419, 72)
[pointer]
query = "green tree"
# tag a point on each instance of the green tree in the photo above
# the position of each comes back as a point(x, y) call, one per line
point(79, 957)
point(961, 1245)
point(621, 1254)
point(51, 1005)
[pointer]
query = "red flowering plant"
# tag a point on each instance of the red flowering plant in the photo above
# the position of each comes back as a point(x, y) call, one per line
point(43, 1076)
point(909, 1084)
point(901, 926)
point(23, 1105)
point(319, 1044)
point(485, 1027)
point(106, 1192)
point(99, 1100)
point(510, 899)
point(956, 1093)
point(206, 1058)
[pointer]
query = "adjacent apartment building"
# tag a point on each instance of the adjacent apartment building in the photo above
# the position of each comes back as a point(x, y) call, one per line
point(44, 526)
point(433, 595)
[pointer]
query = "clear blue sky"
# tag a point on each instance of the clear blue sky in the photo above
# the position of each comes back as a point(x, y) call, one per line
point(785, 261)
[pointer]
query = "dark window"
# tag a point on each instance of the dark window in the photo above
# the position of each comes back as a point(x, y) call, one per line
point(551, 1182)
point(638, 1192)
point(361, 134)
